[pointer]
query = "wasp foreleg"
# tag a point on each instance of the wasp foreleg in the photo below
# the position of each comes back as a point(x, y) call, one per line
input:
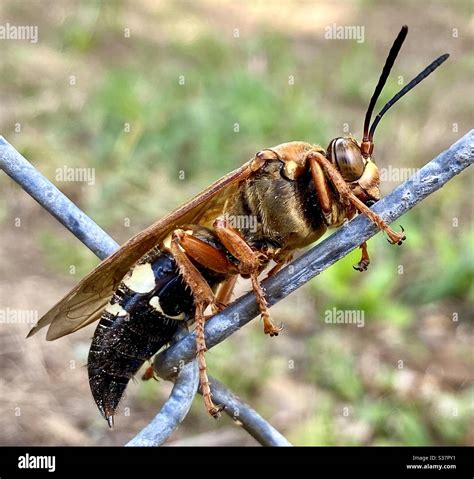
point(321, 186)
point(348, 196)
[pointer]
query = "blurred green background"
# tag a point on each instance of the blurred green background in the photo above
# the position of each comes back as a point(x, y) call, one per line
point(161, 98)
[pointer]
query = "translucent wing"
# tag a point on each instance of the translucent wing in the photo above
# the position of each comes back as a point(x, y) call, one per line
point(85, 302)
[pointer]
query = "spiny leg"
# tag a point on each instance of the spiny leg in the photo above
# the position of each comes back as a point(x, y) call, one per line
point(364, 262)
point(249, 264)
point(349, 198)
point(212, 409)
point(202, 296)
point(268, 326)
point(324, 198)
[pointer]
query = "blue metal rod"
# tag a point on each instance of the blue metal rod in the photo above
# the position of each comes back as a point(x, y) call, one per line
point(58, 204)
point(241, 412)
point(173, 411)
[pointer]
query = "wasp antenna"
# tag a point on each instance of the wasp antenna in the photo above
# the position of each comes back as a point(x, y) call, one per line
point(392, 55)
point(419, 78)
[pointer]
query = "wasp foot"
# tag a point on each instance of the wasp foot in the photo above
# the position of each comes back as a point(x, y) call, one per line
point(362, 265)
point(396, 238)
point(364, 262)
point(269, 328)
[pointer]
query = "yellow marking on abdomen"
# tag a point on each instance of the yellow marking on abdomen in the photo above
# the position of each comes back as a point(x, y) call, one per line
point(155, 304)
point(115, 309)
point(141, 279)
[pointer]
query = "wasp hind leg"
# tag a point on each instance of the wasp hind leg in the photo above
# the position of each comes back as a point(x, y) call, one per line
point(183, 247)
point(250, 263)
point(212, 409)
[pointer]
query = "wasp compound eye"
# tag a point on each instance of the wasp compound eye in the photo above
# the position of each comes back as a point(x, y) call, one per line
point(345, 154)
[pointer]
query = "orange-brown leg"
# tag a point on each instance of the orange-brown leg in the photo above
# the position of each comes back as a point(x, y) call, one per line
point(250, 260)
point(364, 262)
point(224, 293)
point(202, 292)
point(321, 185)
point(268, 326)
point(349, 198)
point(202, 296)
point(213, 410)
point(211, 258)
point(279, 264)
point(149, 374)
point(204, 253)
point(249, 264)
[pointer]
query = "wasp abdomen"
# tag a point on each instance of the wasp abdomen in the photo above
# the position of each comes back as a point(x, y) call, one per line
point(140, 319)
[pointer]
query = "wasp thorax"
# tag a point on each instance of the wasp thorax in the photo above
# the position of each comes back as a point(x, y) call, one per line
point(345, 154)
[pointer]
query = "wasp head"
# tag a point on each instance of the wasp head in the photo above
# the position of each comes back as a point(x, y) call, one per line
point(359, 171)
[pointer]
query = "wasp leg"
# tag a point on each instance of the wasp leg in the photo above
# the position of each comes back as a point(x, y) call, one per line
point(224, 293)
point(320, 183)
point(349, 198)
point(212, 409)
point(204, 253)
point(211, 258)
point(184, 246)
point(149, 374)
point(279, 264)
point(249, 264)
point(268, 326)
point(202, 292)
point(364, 262)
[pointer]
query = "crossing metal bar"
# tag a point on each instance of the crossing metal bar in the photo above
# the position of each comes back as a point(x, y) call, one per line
point(251, 421)
point(17, 167)
point(174, 410)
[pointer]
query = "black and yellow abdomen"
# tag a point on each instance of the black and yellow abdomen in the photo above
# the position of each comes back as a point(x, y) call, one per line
point(140, 319)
